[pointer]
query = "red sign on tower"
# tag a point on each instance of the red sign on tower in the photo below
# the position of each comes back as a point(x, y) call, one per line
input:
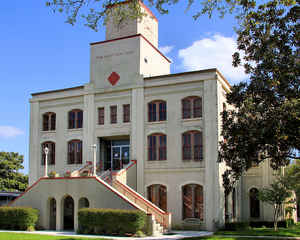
point(113, 78)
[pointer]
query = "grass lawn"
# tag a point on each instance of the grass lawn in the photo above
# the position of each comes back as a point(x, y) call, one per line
point(293, 231)
point(25, 236)
point(219, 237)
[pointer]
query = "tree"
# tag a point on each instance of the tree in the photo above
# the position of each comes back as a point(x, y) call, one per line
point(10, 177)
point(276, 195)
point(264, 121)
point(94, 12)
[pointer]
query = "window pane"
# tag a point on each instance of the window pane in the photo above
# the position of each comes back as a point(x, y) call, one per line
point(152, 148)
point(163, 147)
point(126, 113)
point(198, 204)
point(162, 111)
point(187, 202)
point(198, 147)
point(53, 121)
point(197, 110)
point(113, 114)
point(186, 147)
point(79, 119)
point(45, 122)
point(100, 116)
point(71, 120)
point(186, 108)
point(152, 112)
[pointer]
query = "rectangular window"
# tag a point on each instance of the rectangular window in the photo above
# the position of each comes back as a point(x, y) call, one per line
point(53, 121)
point(113, 114)
point(101, 116)
point(126, 113)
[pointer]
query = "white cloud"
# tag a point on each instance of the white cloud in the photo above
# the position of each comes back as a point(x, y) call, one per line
point(9, 131)
point(214, 52)
point(166, 49)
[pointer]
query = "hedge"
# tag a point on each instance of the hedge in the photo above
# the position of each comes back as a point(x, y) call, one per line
point(270, 224)
point(236, 226)
point(110, 221)
point(18, 218)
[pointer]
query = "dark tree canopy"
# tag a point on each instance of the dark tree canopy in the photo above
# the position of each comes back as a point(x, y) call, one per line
point(94, 12)
point(10, 177)
point(265, 120)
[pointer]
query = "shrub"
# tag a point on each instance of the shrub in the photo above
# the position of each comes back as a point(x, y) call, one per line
point(110, 221)
point(236, 226)
point(269, 224)
point(18, 218)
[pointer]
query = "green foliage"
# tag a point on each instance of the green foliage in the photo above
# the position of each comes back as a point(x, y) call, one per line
point(292, 177)
point(18, 218)
point(276, 195)
point(10, 177)
point(264, 123)
point(110, 221)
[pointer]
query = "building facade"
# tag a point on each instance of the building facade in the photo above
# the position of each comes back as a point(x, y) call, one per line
point(158, 132)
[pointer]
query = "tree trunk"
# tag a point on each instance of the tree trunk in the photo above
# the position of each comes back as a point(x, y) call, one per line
point(275, 218)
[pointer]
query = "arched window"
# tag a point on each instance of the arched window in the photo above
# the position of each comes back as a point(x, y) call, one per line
point(83, 203)
point(75, 152)
point(192, 201)
point(75, 118)
point(157, 147)
point(191, 107)
point(254, 203)
point(192, 146)
point(157, 194)
point(51, 154)
point(49, 121)
point(157, 111)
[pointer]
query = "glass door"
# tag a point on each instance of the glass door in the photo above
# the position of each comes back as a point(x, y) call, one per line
point(116, 158)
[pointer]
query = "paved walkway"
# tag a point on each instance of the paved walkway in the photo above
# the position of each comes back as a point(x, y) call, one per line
point(176, 235)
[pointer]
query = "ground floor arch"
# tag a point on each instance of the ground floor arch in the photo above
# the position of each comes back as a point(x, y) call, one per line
point(52, 214)
point(68, 213)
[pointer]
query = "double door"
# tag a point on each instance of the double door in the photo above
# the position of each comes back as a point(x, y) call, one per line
point(119, 156)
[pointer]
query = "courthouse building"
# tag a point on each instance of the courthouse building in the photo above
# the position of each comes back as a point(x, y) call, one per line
point(156, 140)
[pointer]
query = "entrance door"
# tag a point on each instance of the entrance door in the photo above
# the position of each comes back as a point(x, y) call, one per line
point(68, 213)
point(120, 154)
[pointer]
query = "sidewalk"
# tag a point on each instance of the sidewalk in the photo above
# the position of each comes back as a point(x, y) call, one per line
point(176, 235)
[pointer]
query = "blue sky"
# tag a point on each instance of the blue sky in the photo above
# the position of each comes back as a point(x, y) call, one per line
point(40, 52)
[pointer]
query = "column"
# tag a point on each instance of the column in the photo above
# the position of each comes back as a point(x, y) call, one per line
point(137, 135)
point(59, 214)
point(88, 127)
point(214, 209)
point(34, 147)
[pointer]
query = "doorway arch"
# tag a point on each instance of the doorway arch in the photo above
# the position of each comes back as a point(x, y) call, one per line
point(52, 214)
point(68, 213)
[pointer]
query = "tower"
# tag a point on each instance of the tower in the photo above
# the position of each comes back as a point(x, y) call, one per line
point(129, 51)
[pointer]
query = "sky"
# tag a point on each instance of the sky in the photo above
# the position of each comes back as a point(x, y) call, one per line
point(40, 52)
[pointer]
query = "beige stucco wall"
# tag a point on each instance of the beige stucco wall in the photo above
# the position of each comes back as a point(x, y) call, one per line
point(99, 196)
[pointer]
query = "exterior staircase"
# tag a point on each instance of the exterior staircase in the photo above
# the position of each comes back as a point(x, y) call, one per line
point(161, 220)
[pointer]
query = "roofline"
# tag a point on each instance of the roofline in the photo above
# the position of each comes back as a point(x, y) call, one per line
point(140, 2)
point(191, 72)
point(58, 90)
point(132, 36)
